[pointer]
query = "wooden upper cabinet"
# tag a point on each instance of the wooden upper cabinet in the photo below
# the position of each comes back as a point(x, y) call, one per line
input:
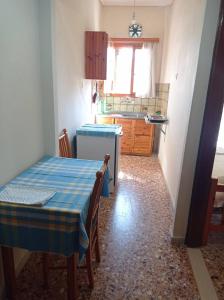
point(96, 55)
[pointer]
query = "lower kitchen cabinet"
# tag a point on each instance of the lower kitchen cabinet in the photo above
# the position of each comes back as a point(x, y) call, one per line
point(104, 120)
point(142, 145)
point(127, 140)
point(138, 137)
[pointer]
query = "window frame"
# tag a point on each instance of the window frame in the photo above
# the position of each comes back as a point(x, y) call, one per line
point(136, 43)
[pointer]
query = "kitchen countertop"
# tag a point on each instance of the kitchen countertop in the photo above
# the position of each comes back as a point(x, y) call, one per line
point(133, 115)
point(124, 115)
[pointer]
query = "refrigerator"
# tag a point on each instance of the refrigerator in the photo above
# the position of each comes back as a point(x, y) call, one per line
point(96, 140)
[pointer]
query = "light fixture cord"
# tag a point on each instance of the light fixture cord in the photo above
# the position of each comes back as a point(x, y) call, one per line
point(133, 17)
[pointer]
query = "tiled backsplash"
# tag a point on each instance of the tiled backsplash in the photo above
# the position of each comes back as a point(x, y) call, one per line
point(109, 104)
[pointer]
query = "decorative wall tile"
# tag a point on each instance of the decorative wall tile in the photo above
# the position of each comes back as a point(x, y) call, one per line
point(130, 108)
point(109, 107)
point(163, 95)
point(137, 108)
point(164, 87)
point(117, 107)
point(123, 107)
point(110, 100)
point(122, 104)
point(152, 101)
point(117, 100)
point(145, 101)
point(137, 101)
point(144, 108)
point(164, 107)
point(151, 109)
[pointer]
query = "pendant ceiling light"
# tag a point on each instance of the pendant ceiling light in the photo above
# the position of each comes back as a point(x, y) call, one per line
point(135, 29)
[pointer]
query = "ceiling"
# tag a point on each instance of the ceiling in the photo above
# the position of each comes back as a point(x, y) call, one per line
point(137, 2)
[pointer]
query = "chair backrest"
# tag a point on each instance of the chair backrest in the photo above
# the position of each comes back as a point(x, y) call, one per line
point(217, 192)
point(215, 187)
point(95, 196)
point(64, 145)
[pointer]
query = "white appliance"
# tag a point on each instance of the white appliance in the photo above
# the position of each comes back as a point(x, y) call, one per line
point(96, 140)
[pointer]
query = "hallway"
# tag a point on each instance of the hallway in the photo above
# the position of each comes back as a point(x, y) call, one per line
point(137, 258)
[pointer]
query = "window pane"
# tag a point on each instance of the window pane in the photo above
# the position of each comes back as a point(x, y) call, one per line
point(123, 65)
point(142, 71)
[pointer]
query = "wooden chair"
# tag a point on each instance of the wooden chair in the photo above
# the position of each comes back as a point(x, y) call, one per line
point(92, 230)
point(64, 145)
point(92, 224)
point(213, 201)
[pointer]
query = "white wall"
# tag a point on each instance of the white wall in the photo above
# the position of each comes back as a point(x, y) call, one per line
point(115, 21)
point(21, 129)
point(47, 79)
point(73, 93)
point(31, 32)
point(187, 69)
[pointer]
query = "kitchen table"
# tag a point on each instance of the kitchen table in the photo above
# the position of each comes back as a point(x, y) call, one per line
point(59, 225)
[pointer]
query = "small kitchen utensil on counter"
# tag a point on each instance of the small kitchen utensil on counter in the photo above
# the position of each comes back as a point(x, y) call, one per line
point(155, 118)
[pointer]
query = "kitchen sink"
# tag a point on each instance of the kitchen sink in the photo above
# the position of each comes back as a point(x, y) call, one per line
point(133, 115)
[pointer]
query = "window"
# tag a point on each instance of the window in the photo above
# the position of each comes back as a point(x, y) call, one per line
point(130, 69)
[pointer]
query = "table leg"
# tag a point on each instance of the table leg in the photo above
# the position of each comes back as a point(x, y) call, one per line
point(72, 282)
point(9, 272)
point(45, 259)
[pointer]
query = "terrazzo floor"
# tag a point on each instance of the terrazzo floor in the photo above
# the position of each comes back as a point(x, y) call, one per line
point(213, 257)
point(138, 260)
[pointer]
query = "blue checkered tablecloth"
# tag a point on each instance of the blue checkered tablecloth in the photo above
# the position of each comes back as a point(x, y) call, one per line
point(59, 225)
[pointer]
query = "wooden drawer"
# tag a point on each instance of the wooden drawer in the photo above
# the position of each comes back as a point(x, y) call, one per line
point(126, 144)
point(142, 151)
point(137, 136)
point(143, 129)
point(124, 122)
point(143, 145)
point(127, 126)
point(142, 141)
point(104, 120)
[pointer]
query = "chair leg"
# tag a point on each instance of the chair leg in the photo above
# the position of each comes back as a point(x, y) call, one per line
point(9, 272)
point(222, 220)
point(72, 284)
point(45, 259)
point(89, 267)
point(97, 247)
point(211, 200)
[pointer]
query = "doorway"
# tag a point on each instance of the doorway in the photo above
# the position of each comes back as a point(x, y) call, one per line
point(208, 141)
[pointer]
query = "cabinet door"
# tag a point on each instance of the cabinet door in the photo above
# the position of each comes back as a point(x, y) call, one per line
point(127, 125)
point(143, 145)
point(141, 128)
point(126, 145)
point(143, 138)
point(96, 54)
point(104, 120)
point(127, 139)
